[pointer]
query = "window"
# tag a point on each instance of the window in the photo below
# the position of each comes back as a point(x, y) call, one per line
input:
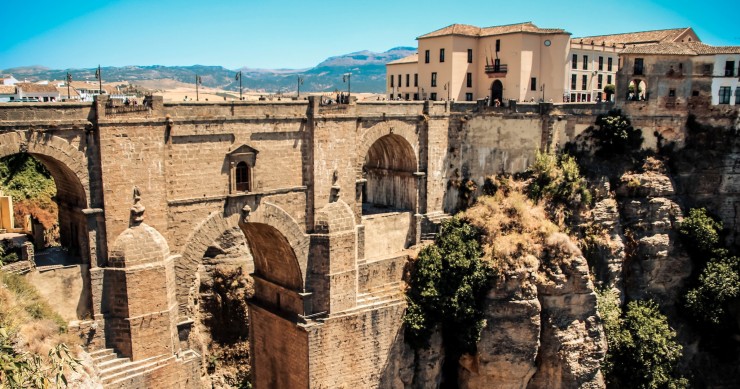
point(470, 55)
point(737, 95)
point(434, 79)
point(433, 96)
point(407, 97)
point(609, 64)
point(574, 61)
point(729, 68)
point(416, 96)
point(241, 162)
point(585, 62)
point(426, 56)
point(601, 63)
point(599, 82)
point(416, 79)
point(695, 93)
point(498, 45)
point(408, 80)
point(573, 81)
point(706, 69)
point(638, 66)
point(441, 55)
point(242, 177)
point(609, 79)
point(399, 80)
point(533, 83)
point(469, 80)
point(392, 78)
point(468, 97)
point(584, 82)
point(671, 93)
point(724, 94)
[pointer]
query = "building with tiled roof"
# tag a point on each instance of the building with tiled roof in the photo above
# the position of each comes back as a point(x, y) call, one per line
point(42, 92)
point(7, 93)
point(462, 62)
point(674, 75)
point(593, 61)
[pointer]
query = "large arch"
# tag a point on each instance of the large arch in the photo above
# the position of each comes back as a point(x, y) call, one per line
point(405, 130)
point(269, 221)
point(68, 168)
point(389, 168)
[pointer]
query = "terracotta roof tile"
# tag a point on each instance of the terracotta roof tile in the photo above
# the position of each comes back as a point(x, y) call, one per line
point(468, 30)
point(63, 91)
point(7, 89)
point(36, 88)
point(410, 59)
point(640, 37)
point(681, 48)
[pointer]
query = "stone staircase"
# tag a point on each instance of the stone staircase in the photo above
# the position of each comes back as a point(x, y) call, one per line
point(114, 371)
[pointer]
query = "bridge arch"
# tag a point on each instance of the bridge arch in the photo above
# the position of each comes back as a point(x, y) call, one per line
point(368, 138)
point(271, 226)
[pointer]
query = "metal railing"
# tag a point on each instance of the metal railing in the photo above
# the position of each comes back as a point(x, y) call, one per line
point(496, 68)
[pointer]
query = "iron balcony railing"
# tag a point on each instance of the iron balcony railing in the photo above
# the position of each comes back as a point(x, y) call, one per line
point(496, 68)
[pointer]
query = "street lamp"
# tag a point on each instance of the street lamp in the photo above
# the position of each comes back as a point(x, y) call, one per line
point(197, 82)
point(239, 78)
point(99, 76)
point(447, 88)
point(347, 78)
point(69, 81)
point(542, 88)
point(300, 82)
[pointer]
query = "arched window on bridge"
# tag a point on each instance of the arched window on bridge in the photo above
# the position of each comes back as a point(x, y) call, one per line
point(242, 161)
point(242, 177)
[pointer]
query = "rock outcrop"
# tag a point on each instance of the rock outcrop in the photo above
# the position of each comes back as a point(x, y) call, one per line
point(658, 265)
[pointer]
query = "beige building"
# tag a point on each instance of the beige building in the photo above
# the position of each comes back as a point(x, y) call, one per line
point(461, 62)
point(593, 61)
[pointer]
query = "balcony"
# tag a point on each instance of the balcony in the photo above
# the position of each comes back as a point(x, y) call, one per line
point(496, 70)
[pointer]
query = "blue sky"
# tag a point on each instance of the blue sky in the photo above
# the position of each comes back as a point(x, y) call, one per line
point(300, 34)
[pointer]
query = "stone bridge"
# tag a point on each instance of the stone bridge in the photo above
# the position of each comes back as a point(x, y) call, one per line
point(330, 200)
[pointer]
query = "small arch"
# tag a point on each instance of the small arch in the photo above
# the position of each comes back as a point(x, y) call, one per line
point(242, 177)
point(497, 91)
point(637, 90)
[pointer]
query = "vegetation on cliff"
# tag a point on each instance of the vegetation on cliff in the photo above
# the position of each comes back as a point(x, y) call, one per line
point(33, 339)
point(643, 351)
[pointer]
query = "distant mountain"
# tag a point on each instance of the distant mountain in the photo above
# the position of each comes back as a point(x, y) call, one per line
point(367, 68)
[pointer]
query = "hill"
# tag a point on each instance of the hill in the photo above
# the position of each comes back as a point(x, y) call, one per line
point(367, 68)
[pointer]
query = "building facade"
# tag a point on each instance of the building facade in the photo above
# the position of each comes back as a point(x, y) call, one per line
point(464, 63)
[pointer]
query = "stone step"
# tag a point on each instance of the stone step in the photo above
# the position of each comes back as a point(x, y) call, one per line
point(113, 366)
point(102, 351)
point(97, 360)
point(132, 369)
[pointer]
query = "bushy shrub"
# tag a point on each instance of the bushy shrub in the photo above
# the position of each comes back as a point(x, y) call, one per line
point(447, 287)
point(700, 232)
point(643, 352)
point(719, 284)
point(558, 180)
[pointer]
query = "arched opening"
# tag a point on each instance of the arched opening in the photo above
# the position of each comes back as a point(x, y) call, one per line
point(389, 169)
point(497, 91)
point(242, 177)
point(637, 90)
point(47, 201)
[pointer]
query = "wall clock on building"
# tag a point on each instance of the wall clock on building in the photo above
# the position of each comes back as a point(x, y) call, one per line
point(547, 42)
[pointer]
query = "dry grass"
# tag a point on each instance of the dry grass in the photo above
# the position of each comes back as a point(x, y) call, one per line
point(518, 233)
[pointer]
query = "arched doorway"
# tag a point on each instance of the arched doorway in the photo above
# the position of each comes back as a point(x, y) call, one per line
point(44, 175)
point(637, 90)
point(497, 91)
point(389, 169)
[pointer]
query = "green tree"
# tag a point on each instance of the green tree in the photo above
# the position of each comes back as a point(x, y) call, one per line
point(643, 351)
point(719, 284)
point(615, 134)
point(447, 287)
point(700, 233)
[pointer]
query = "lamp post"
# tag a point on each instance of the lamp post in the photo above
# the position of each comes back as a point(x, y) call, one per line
point(347, 78)
point(300, 82)
point(197, 82)
point(447, 88)
point(69, 81)
point(239, 78)
point(99, 76)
